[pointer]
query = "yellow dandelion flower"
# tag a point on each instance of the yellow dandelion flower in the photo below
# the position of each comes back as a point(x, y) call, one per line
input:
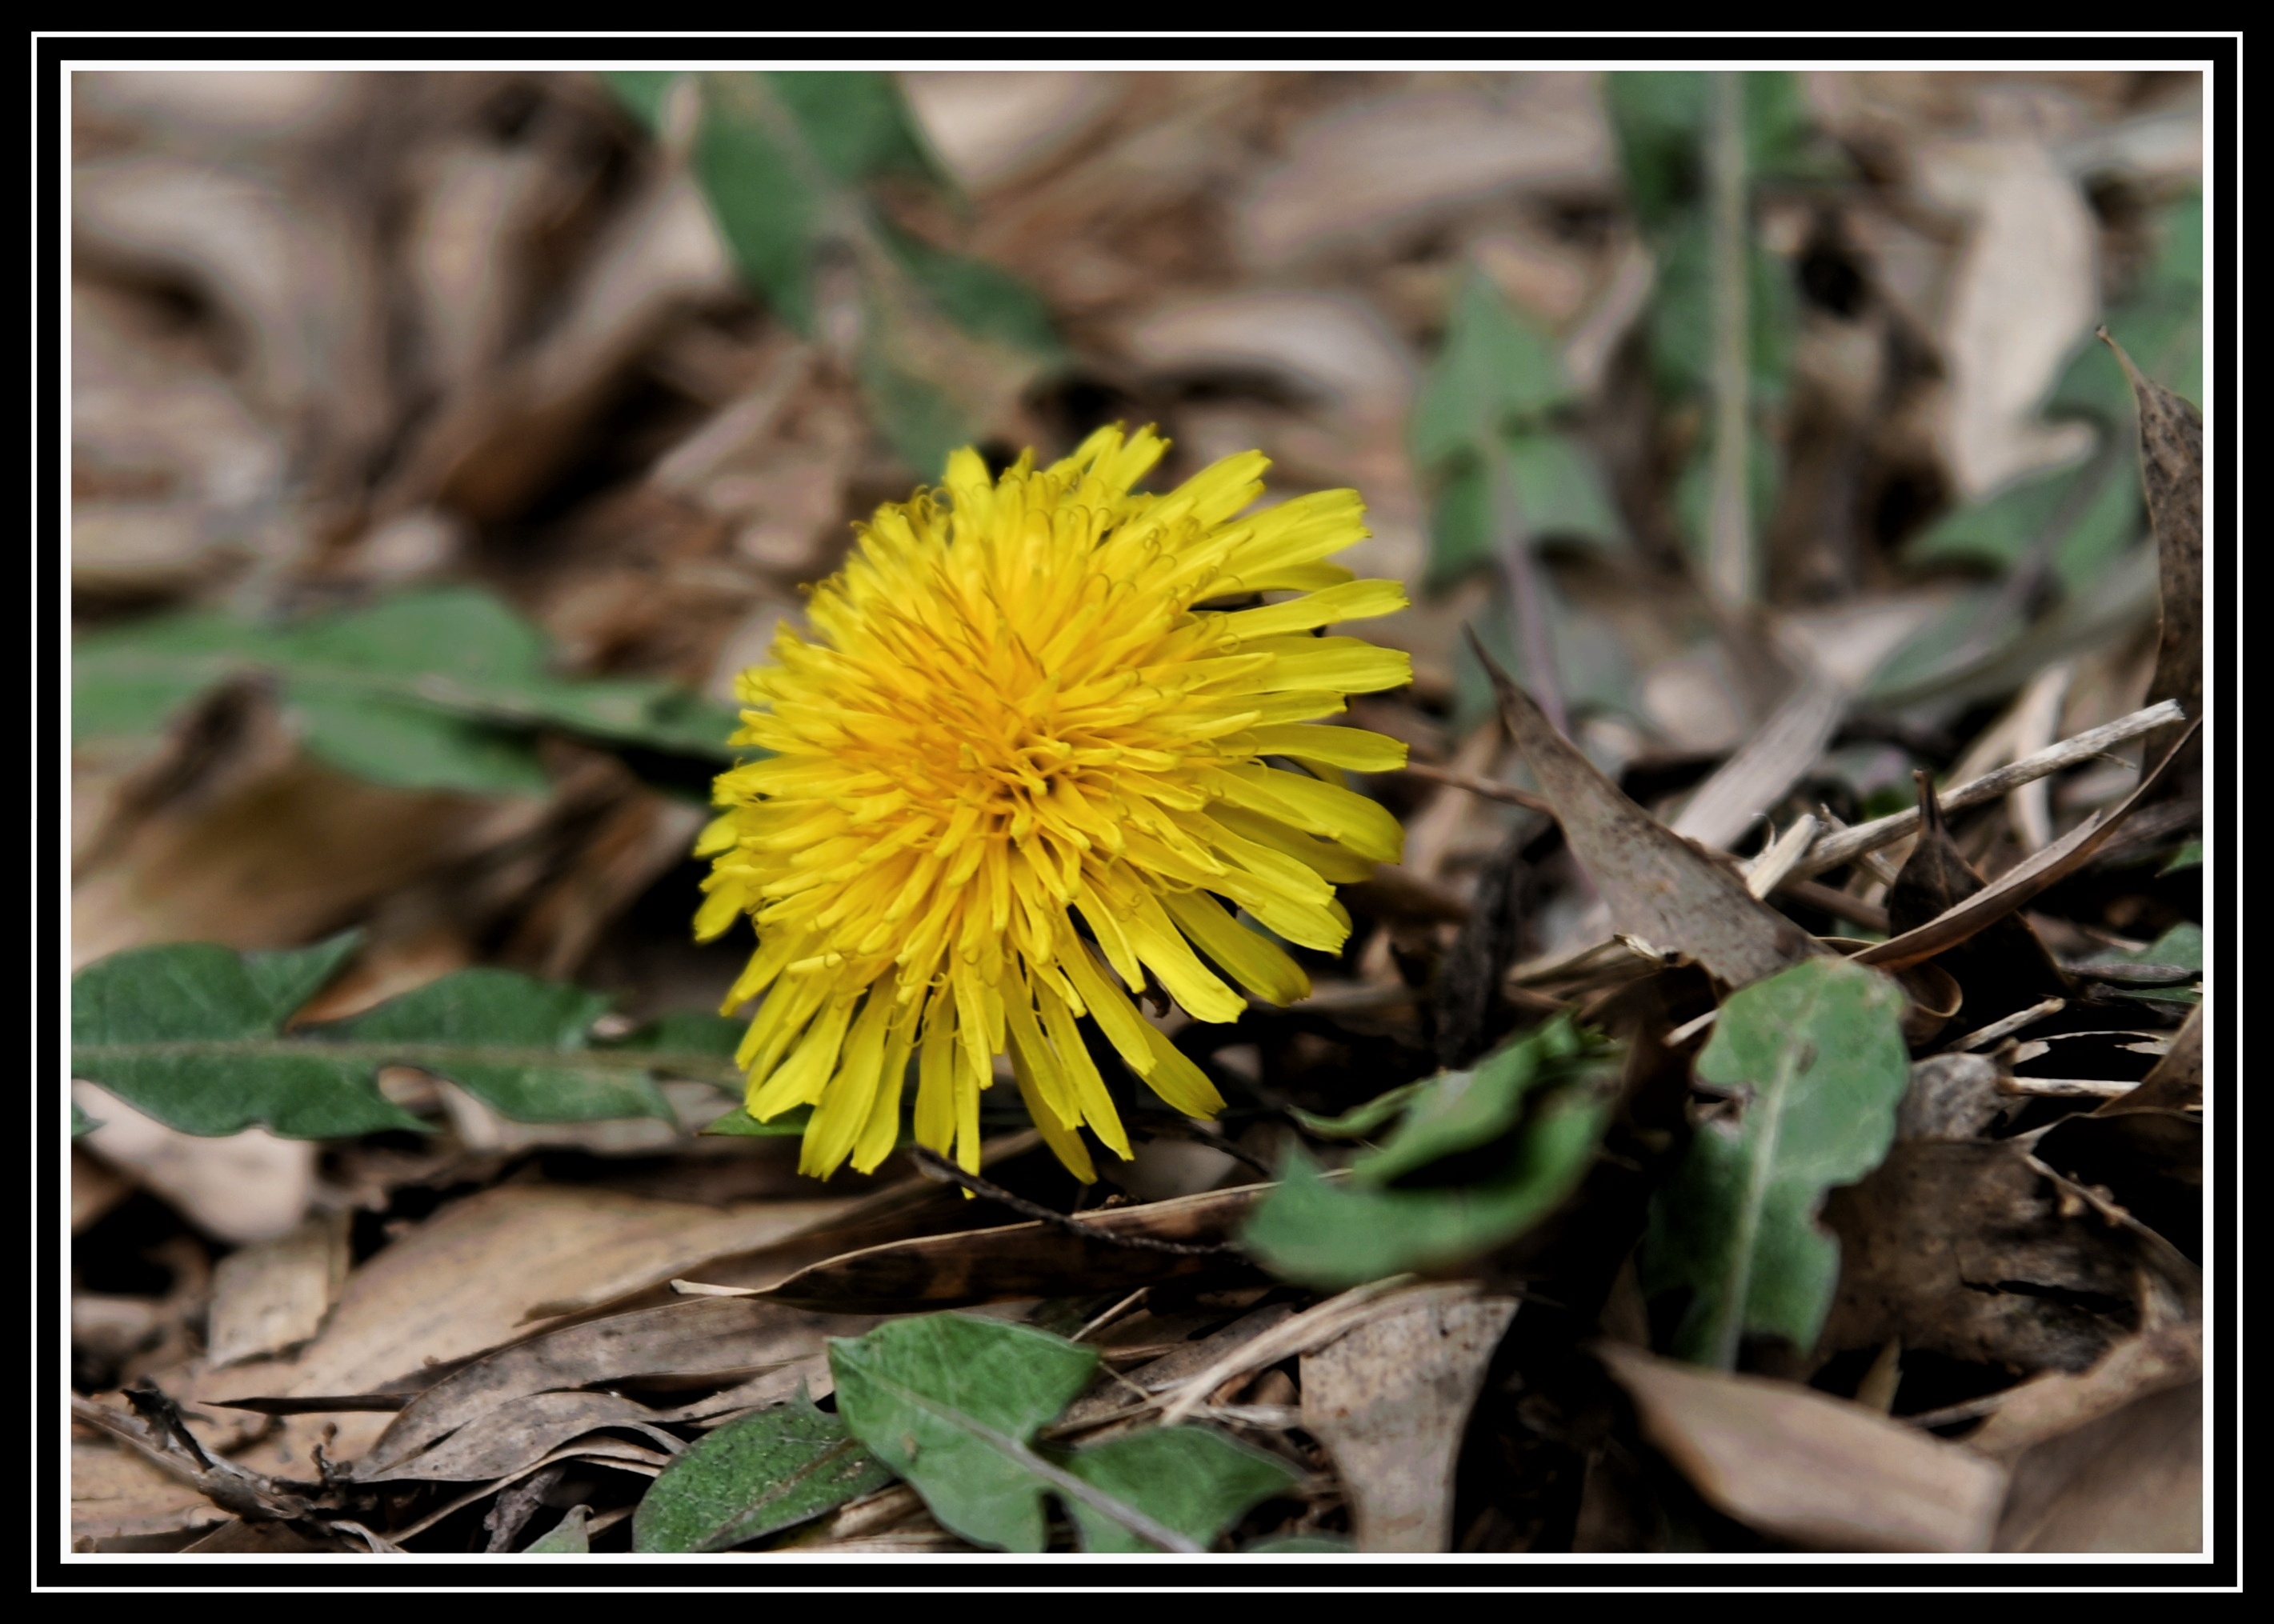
point(1020, 770)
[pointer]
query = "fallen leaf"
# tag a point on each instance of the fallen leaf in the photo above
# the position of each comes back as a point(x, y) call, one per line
point(2126, 1482)
point(1950, 1097)
point(1658, 887)
point(463, 1282)
point(1966, 1250)
point(2058, 1402)
point(2175, 1083)
point(2018, 884)
point(1805, 1467)
point(2002, 968)
point(116, 1494)
point(1390, 1399)
point(273, 1296)
point(2171, 474)
point(714, 1340)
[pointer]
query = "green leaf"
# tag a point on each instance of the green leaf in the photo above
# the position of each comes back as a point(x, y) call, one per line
point(1465, 1111)
point(953, 1404)
point(1494, 372)
point(949, 1404)
point(921, 419)
point(642, 93)
point(984, 300)
point(1336, 1235)
point(739, 1124)
point(1558, 491)
point(2189, 856)
point(1198, 1482)
point(1544, 1096)
point(1681, 317)
point(769, 198)
point(753, 1477)
point(856, 123)
point(81, 1122)
point(695, 1032)
point(1361, 1120)
point(1815, 1057)
point(1659, 121)
point(569, 1537)
point(2090, 513)
point(438, 689)
point(460, 1018)
point(193, 1034)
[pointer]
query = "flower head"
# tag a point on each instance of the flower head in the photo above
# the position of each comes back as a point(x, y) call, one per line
point(1019, 771)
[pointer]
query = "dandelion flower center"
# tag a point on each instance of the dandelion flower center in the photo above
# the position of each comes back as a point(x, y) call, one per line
point(1018, 775)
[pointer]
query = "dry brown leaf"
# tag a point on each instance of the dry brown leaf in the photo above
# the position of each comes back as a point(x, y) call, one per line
point(2175, 1083)
point(249, 1186)
point(2058, 1402)
point(1658, 887)
point(2026, 879)
point(114, 1493)
point(2129, 1481)
point(1950, 1097)
point(1965, 1249)
point(463, 1282)
point(1805, 1467)
point(2171, 474)
point(1767, 766)
point(273, 1296)
point(2002, 968)
point(718, 1341)
point(1390, 1399)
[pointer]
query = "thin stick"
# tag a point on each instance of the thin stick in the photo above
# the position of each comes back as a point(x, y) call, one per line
point(932, 1165)
point(1485, 787)
point(2006, 1026)
point(1846, 844)
point(1837, 904)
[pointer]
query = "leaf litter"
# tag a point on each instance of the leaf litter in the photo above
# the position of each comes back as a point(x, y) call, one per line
point(1609, 1193)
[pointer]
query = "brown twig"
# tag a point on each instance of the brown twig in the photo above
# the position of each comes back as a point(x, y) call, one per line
point(935, 1166)
point(1485, 787)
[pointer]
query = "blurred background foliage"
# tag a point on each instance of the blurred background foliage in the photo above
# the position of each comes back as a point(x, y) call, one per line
point(445, 444)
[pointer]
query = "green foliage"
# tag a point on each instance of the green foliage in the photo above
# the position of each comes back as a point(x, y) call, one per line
point(2084, 517)
point(754, 1477)
point(2189, 856)
point(1487, 431)
point(81, 1122)
point(194, 1035)
point(441, 689)
point(1482, 1156)
point(788, 161)
point(953, 1404)
point(1815, 1062)
point(2078, 523)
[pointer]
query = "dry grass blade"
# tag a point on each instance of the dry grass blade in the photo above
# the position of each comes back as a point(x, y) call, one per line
point(2020, 883)
point(1314, 1329)
point(1657, 885)
point(1844, 845)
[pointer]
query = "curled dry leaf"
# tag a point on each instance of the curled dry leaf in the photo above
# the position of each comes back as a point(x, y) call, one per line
point(1950, 1097)
point(1805, 1467)
point(2171, 474)
point(2020, 883)
point(2004, 967)
point(1657, 885)
point(713, 1341)
point(1390, 1398)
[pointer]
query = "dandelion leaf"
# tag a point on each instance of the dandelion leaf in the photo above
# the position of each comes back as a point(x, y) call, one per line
point(754, 1477)
point(1814, 1060)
